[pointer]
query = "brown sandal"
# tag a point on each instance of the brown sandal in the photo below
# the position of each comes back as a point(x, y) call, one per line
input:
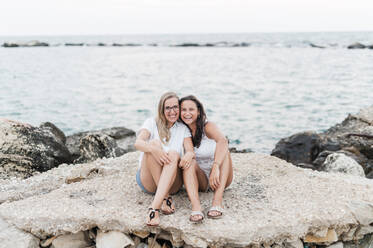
point(218, 210)
point(152, 216)
point(169, 204)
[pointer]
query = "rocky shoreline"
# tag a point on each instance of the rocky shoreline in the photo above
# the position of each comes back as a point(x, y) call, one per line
point(356, 45)
point(80, 191)
point(346, 147)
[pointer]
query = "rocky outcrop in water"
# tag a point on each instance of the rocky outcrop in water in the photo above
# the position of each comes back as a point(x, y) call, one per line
point(25, 150)
point(108, 142)
point(74, 44)
point(27, 44)
point(316, 46)
point(353, 137)
point(356, 45)
point(270, 203)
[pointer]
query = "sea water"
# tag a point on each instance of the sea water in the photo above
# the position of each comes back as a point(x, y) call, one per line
point(273, 86)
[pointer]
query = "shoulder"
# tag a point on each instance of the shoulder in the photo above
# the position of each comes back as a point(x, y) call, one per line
point(209, 125)
point(212, 131)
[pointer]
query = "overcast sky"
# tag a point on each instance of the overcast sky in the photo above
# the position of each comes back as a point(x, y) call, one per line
point(79, 17)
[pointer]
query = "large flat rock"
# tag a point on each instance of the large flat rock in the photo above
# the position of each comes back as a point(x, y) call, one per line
point(270, 201)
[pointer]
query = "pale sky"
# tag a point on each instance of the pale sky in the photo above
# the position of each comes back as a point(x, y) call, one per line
point(81, 17)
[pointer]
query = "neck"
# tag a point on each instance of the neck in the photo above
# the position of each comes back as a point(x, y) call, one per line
point(169, 124)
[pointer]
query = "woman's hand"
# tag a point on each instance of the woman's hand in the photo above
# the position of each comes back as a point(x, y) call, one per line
point(160, 156)
point(186, 160)
point(214, 178)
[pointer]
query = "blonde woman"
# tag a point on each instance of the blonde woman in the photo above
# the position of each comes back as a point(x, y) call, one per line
point(162, 141)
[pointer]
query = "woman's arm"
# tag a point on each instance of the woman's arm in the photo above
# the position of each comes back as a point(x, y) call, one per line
point(221, 150)
point(186, 160)
point(143, 145)
point(213, 132)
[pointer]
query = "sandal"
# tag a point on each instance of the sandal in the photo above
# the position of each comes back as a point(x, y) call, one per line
point(152, 216)
point(169, 205)
point(196, 213)
point(218, 209)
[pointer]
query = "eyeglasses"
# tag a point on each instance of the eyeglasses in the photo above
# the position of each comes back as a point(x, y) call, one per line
point(174, 108)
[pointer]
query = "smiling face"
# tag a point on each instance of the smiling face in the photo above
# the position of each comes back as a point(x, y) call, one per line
point(171, 110)
point(189, 112)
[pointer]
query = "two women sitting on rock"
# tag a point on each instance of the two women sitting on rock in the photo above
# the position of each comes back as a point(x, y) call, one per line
point(192, 150)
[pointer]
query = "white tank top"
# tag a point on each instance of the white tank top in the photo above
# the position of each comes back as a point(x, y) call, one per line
point(205, 154)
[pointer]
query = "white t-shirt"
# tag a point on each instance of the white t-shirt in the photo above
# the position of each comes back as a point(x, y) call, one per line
point(178, 132)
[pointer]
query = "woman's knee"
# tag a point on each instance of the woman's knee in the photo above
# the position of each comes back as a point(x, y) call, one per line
point(174, 156)
point(192, 168)
point(155, 142)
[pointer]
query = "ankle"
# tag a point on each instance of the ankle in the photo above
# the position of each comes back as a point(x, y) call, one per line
point(196, 207)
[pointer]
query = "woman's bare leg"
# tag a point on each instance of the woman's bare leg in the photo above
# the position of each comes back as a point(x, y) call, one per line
point(166, 181)
point(150, 170)
point(226, 177)
point(194, 180)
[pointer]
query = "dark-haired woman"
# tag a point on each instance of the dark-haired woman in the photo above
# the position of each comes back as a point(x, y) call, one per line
point(212, 166)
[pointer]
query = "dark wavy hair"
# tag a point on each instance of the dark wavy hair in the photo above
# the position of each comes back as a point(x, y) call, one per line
point(201, 120)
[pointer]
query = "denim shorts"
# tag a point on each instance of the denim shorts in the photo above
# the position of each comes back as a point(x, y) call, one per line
point(138, 180)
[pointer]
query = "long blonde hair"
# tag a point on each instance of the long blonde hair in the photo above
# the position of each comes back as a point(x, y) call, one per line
point(163, 131)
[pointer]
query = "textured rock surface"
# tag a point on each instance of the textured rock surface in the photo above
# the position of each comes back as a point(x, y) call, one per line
point(353, 137)
point(25, 149)
point(124, 138)
point(94, 146)
point(112, 239)
point(337, 162)
point(55, 130)
point(76, 240)
point(269, 202)
point(15, 238)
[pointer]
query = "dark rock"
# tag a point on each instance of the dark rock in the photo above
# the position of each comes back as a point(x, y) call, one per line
point(125, 138)
point(55, 130)
point(345, 133)
point(369, 46)
point(132, 44)
point(353, 138)
point(316, 46)
point(306, 166)
point(299, 148)
point(235, 150)
point(356, 45)
point(33, 43)
point(101, 44)
point(94, 146)
point(74, 44)
point(188, 45)
point(10, 45)
point(25, 149)
point(36, 43)
point(242, 44)
point(118, 45)
point(319, 161)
